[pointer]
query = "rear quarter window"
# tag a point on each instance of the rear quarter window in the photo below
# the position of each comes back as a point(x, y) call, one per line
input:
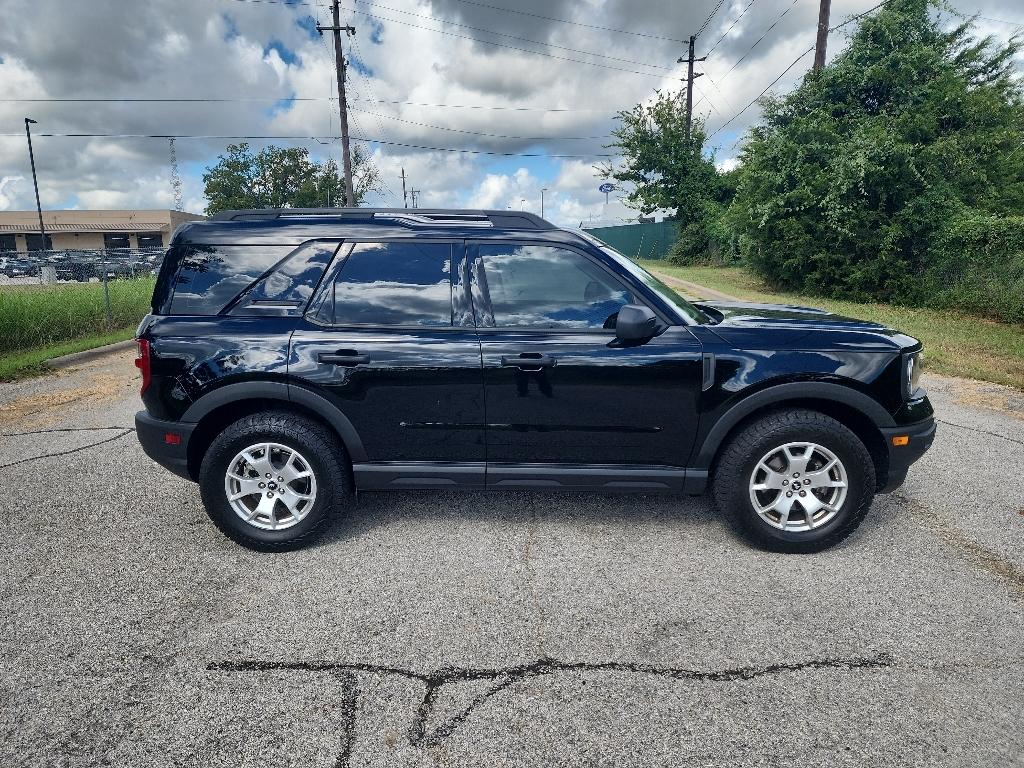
point(209, 277)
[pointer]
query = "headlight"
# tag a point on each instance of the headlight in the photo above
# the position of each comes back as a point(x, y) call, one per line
point(912, 373)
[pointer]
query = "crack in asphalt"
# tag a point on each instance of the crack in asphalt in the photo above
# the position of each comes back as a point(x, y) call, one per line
point(503, 678)
point(981, 431)
point(350, 700)
point(61, 429)
point(67, 452)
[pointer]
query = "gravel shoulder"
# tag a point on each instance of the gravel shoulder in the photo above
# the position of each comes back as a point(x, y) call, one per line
point(504, 629)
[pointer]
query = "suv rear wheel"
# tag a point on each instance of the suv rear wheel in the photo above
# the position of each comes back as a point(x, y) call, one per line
point(795, 481)
point(271, 480)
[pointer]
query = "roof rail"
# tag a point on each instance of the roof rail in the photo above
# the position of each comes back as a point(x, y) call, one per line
point(411, 216)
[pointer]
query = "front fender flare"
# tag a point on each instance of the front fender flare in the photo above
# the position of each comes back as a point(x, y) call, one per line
point(782, 393)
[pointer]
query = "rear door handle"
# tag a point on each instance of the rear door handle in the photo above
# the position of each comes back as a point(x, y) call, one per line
point(343, 357)
point(528, 361)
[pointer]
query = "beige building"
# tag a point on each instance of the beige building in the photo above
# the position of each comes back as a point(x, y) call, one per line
point(70, 230)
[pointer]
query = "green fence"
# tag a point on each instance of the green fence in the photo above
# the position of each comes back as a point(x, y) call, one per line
point(639, 241)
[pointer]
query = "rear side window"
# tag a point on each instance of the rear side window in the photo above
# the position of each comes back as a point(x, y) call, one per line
point(211, 276)
point(395, 283)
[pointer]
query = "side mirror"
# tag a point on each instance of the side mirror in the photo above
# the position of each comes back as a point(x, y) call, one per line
point(635, 323)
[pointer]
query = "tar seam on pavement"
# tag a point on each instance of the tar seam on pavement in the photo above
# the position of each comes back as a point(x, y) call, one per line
point(69, 451)
point(507, 676)
point(981, 431)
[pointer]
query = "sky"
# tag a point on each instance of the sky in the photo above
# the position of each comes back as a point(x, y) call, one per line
point(482, 102)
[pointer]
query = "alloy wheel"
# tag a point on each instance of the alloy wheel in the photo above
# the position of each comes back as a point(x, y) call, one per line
point(798, 486)
point(270, 486)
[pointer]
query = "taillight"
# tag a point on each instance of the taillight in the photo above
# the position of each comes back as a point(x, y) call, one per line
point(142, 362)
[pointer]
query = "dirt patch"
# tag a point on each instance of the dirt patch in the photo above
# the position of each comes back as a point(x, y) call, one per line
point(980, 394)
point(43, 408)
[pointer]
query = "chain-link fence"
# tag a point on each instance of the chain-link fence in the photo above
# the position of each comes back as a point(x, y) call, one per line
point(55, 296)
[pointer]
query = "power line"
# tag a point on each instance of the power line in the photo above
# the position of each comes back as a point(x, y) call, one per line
point(480, 133)
point(202, 100)
point(566, 21)
point(726, 33)
point(515, 37)
point(755, 100)
point(502, 45)
point(711, 15)
point(793, 64)
point(762, 37)
point(304, 138)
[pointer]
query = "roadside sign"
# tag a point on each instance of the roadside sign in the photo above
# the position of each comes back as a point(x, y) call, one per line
point(606, 188)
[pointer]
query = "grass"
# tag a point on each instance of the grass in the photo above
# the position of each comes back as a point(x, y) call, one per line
point(956, 344)
point(39, 322)
point(31, 362)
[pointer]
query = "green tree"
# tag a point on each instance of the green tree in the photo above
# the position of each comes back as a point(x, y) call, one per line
point(849, 183)
point(279, 177)
point(662, 169)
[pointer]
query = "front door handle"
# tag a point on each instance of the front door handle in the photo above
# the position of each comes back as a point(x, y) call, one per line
point(343, 357)
point(528, 361)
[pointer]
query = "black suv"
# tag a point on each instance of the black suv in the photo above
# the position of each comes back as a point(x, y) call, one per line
point(294, 357)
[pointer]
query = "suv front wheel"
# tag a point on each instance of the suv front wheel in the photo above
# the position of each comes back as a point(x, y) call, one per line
point(271, 480)
point(795, 481)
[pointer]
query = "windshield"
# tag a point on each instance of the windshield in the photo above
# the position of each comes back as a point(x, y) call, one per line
point(669, 296)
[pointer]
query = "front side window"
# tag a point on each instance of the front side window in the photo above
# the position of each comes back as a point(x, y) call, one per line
point(405, 283)
point(543, 286)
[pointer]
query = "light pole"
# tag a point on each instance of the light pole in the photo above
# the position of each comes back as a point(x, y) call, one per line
point(542, 191)
point(35, 182)
point(522, 202)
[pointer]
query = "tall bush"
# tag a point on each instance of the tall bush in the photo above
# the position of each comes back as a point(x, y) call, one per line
point(851, 182)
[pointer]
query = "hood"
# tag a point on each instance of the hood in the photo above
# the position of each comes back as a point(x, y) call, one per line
point(752, 324)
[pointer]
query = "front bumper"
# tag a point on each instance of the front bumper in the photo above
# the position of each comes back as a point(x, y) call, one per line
point(919, 439)
point(165, 442)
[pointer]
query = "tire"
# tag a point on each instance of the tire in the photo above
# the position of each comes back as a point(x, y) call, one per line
point(321, 470)
point(785, 439)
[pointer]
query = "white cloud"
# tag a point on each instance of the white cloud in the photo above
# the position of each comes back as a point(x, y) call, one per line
point(191, 49)
point(6, 181)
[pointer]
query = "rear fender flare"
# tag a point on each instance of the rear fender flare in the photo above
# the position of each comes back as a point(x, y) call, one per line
point(276, 390)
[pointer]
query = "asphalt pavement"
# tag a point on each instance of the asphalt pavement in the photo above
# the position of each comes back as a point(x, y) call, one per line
point(502, 629)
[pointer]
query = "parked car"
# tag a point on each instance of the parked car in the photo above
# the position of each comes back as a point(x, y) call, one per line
point(77, 266)
point(20, 266)
point(293, 357)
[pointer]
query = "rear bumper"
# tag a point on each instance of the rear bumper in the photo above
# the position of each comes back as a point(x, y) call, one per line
point(920, 436)
point(165, 442)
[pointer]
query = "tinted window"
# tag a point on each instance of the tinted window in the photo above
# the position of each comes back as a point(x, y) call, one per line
point(291, 283)
point(394, 284)
point(211, 276)
point(542, 286)
point(8, 243)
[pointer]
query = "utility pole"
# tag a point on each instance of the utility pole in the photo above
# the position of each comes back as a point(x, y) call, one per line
point(690, 77)
point(35, 183)
point(414, 193)
point(405, 197)
point(822, 42)
point(339, 65)
point(542, 191)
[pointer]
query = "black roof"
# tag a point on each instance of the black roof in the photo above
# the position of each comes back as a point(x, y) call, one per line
point(296, 225)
